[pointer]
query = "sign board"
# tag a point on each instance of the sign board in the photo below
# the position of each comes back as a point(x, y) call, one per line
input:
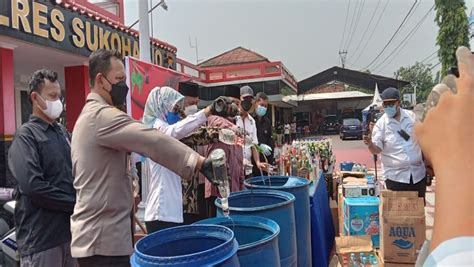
point(48, 24)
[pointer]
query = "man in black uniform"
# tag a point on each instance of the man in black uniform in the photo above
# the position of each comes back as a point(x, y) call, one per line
point(264, 131)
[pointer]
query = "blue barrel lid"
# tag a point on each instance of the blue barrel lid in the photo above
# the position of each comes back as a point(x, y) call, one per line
point(287, 198)
point(247, 220)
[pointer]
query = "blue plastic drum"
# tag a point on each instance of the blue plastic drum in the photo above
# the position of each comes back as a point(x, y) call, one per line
point(299, 187)
point(257, 238)
point(190, 245)
point(273, 205)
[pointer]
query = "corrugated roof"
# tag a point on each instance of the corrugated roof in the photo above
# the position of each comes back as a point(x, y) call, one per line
point(352, 77)
point(237, 55)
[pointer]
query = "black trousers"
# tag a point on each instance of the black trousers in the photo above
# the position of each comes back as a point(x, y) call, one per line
point(287, 138)
point(420, 187)
point(104, 261)
point(154, 226)
point(188, 218)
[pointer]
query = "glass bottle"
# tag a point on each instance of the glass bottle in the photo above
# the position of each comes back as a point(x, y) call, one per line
point(219, 168)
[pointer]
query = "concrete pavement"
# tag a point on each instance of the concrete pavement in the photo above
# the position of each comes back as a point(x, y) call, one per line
point(352, 150)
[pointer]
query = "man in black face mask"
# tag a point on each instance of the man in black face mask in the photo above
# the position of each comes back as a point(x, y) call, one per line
point(101, 225)
point(246, 122)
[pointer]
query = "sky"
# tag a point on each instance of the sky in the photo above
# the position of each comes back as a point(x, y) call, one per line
point(306, 35)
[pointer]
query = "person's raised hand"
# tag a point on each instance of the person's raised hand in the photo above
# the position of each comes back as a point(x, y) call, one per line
point(447, 131)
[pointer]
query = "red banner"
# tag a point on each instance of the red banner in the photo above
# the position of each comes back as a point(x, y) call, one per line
point(142, 77)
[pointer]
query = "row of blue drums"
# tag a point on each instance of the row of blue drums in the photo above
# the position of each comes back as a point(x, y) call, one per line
point(269, 225)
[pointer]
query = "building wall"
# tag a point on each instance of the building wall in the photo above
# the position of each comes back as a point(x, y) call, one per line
point(328, 88)
point(268, 87)
point(244, 72)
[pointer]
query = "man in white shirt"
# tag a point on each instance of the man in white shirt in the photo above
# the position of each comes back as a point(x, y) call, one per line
point(190, 91)
point(392, 137)
point(246, 122)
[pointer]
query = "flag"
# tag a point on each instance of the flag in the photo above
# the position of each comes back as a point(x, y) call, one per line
point(377, 100)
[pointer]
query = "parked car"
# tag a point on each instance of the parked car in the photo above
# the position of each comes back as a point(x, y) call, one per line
point(330, 124)
point(351, 128)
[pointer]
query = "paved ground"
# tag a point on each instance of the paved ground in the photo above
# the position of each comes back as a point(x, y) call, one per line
point(356, 151)
point(352, 150)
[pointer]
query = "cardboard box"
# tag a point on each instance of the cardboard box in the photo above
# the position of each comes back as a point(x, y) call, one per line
point(361, 217)
point(402, 226)
point(354, 244)
point(340, 210)
point(335, 187)
point(335, 215)
point(394, 264)
point(335, 262)
point(389, 193)
point(348, 244)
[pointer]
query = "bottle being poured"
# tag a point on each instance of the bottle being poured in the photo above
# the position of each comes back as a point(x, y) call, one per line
point(219, 168)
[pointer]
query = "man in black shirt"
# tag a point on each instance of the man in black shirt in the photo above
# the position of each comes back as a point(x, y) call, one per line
point(264, 131)
point(40, 160)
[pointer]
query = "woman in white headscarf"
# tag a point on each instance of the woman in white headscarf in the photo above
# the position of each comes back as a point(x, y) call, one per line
point(164, 111)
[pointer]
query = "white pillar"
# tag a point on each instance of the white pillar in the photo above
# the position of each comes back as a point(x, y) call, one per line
point(273, 115)
point(145, 55)
point(414, 93)
point(144, 27)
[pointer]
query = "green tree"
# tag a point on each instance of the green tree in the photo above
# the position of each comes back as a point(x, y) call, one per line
point(453, 31)
point(418, 75)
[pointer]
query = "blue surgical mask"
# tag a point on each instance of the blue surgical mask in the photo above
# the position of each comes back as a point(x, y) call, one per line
point(391, 111)
point(172, 117)
point(261, 111)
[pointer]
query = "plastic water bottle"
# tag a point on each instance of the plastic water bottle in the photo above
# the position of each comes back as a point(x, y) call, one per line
point(373, 260)
point(219, 167)
point(353, 261)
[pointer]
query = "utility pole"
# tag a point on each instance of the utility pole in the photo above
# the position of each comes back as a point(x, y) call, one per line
point(471, 23)
point(152, 32)
point(195, 46)
point(144, 26)
point(414, 94)
point(343, 55)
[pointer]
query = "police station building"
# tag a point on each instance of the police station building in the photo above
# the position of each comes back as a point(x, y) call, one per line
point(58, 35)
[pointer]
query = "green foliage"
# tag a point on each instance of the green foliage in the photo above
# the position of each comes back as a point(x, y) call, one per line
point(418, 75)
point(453, 31)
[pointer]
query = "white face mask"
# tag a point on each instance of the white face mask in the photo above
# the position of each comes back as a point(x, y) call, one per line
point(53, 108)
point(190, 110)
